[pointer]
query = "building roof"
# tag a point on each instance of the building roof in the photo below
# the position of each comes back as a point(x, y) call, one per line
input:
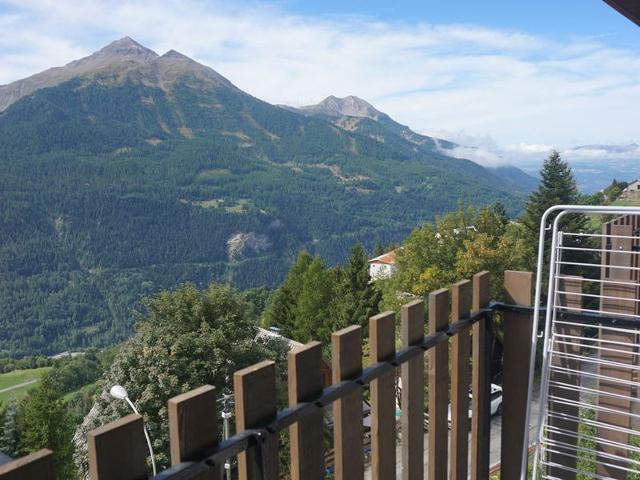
point(388, 258)
point(271, 334)
point(628, 8)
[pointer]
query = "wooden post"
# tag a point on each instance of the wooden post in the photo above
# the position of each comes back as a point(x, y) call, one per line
point(255, 391)
point(460, 353)
point(518, 289)
point(307, 440)
point(193, 427)
point(438, 387)
point(617, 407)
point(561, 384)
point(37, 466)
point(412, 333)
point(383, 409)
point(118, 450)
point(481, 381)
point(346, 346)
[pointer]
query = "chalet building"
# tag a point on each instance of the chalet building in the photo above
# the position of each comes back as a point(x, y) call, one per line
point(633, 187)
point(383, 266)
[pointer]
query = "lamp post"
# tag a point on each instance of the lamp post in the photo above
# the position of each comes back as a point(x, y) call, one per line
point(226, 415)
point(120, 393)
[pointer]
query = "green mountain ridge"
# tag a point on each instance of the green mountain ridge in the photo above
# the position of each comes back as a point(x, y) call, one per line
point(356, 115)
point(131, 172)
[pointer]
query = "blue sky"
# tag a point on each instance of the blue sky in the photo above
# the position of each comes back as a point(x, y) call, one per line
point(511, 78)
point(547, 17)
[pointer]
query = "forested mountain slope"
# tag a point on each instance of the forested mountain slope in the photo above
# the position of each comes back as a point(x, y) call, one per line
point(127, 172)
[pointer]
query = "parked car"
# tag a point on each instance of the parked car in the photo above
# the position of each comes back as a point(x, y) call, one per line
point(495, 400)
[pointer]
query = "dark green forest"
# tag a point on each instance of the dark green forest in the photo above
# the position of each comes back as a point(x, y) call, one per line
point(112, 189)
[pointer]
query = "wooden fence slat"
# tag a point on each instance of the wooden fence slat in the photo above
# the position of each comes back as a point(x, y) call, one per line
point(118, 450)
point(438, 387)
point(346, 346)
point(383, 406)
point(518, 289)
point(307, 439)
point(460, 376)
point(481, 381)
point(412, 373)
point(36, 466)
point(255, 396)
point(617, 408)
point(562, 409)
point(193, 427)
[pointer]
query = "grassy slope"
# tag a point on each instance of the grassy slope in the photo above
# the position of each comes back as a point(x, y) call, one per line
point(632, 200)
point(18, 377)
point(85, 388)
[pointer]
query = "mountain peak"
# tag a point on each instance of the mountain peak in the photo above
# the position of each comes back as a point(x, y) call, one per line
point(122, 57)
point(124, 42)
point(351, 106)
point(126, 48)
point(174, 64)
point(349, 100)
point(175, 54)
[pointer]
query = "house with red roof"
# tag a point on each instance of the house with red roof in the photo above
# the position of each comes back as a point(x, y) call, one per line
point(383, 266)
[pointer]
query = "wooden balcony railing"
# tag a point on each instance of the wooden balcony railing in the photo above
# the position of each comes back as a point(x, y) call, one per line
point(460, 324)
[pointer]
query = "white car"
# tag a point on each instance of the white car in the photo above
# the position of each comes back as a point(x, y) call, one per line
point(495, 401)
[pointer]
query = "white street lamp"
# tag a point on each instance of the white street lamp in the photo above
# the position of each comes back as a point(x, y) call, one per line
point(226, 415)
point(120, 393)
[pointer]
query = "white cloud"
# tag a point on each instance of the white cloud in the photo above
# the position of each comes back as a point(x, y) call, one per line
point(480, 155)
point(486, 151)
point(590, 153)
point(510, 85)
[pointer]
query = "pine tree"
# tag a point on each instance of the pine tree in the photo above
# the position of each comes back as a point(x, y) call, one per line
point(281, 309)
point(312, 316)
point(357, 298)
point(501, 212)
point(9, 432)
point(557, 187)
point(44, 422)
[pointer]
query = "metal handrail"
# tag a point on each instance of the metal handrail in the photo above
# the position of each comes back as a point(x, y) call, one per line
point(215, 457)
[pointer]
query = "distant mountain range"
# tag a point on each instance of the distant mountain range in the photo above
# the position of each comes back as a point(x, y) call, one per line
point(127, 172)
point(595, 166)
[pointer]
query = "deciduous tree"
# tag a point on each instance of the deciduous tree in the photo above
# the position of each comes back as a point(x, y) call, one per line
point(187, 338)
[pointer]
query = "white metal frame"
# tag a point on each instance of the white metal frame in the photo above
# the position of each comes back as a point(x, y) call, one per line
point(553, 268)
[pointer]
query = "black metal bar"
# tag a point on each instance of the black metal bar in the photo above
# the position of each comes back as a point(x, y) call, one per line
point(586, 318)
point(287, 417)
point(593, 319)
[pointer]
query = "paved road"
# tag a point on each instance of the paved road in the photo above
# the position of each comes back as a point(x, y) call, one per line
point(20, 385)
point(496, 428)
